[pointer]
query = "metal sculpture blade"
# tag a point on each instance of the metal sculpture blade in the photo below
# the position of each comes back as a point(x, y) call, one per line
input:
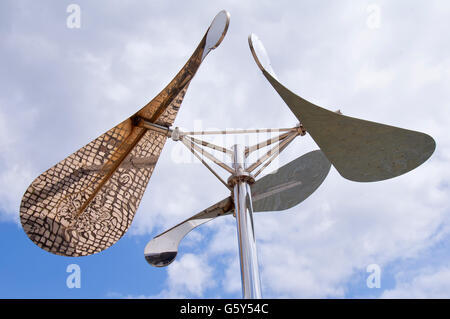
point(163, 249)
point(86, 202)
point(361, 151)
point(280, 190)
point(291, 184)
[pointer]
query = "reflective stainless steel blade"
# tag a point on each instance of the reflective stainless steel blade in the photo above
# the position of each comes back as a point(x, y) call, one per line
point(162, 250)
point(216, 32)
point(361, 151)
point(288, 186)
point(291, 184)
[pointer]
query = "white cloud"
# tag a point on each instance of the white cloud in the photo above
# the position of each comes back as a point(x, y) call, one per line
point(430, 283)
point(231, 279)
point(15, 168)
point(369, 77)
point(189, 276)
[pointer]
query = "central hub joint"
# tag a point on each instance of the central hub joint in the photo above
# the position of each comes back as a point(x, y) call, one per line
point(301, 129)
point(241, 177)
point(239, 166)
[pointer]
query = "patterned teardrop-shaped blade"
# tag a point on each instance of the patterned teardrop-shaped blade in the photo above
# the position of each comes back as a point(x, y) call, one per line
point(86, 202)
point(361, 151)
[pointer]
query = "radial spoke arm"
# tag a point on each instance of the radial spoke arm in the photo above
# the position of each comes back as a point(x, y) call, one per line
point(210, 145)
point(196, 150)
point(141, 122)
point(268, 142)
point(191, 144)
point(273, 151)
point(263, 130)
point(281, 148)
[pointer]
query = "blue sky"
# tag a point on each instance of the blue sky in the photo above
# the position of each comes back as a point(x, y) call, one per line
point(379, 60)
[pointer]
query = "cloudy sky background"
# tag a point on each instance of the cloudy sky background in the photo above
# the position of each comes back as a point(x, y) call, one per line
point(386, 61)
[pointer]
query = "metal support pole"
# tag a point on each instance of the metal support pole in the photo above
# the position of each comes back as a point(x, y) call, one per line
point(241, 180)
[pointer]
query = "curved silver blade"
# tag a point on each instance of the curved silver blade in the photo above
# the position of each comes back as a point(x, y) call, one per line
point(291, 184)
point(216, 31)
point(260, 55)
point(361, 151)
point(288, 186)
point(162, 250)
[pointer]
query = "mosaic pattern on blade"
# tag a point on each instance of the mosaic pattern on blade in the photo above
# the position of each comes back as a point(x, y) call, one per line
point(168, 116)
point(49, 204)
point(111, 212)
point(54, 199)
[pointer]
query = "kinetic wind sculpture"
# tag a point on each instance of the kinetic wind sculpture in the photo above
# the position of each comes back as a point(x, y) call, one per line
point(85, 203)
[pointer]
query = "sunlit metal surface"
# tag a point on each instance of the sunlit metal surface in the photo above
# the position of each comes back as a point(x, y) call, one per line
point(248, 131)
point(216, 31)
point(86, 202)
point(251, 284)
point(361, 151)
point(163, 249)
point(260, 55)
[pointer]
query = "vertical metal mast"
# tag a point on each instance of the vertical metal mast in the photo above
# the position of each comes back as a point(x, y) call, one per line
point(241, 180)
